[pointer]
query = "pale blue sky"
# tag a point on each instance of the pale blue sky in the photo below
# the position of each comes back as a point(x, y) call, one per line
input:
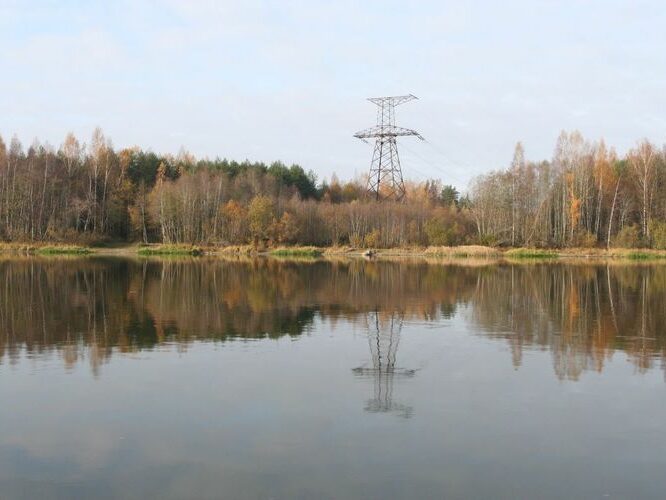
point(287, 80)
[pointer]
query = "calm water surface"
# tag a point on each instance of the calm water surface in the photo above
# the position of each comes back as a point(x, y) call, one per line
point(178, 379)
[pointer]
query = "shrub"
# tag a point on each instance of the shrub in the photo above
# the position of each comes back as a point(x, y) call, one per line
point(442, 233)
point(658, 235)
point(487, 240)
point(585, 239)
point(627, 237)
point(355, 240)
point(373, 238)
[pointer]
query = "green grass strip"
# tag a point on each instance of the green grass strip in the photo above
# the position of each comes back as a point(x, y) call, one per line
point(644, 256)
point(170, 250)
point(63, 250)
point(531, 253)
point(296, 252)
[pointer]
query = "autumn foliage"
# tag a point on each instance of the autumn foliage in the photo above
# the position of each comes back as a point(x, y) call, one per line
point(586, 196)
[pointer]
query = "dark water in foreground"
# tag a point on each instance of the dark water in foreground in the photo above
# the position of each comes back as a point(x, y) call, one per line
point(274, 379)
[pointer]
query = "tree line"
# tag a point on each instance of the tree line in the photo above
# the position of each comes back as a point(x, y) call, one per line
point(586, 195)
point(91, 193)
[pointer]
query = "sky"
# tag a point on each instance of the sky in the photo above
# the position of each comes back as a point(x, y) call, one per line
point(287, 80)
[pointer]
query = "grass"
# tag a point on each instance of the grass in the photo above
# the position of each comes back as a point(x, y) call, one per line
point(235, 250)
point(62, 250)
point(40, 249)
point(462, 252)
point(10, 247)
point(296, 252)
point(531, 253)
point(173, 250)
point(642, 255)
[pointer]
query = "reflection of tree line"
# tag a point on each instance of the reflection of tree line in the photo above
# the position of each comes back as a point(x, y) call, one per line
point(581, 313)
point(86, 308)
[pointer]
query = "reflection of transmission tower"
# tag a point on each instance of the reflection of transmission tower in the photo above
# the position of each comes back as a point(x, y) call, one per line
point(384, 338)
point(385, 178)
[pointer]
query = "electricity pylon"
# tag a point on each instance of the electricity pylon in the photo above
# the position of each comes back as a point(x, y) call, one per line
point(385, 180)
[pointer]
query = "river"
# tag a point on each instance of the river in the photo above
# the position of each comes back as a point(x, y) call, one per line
point(286, 379)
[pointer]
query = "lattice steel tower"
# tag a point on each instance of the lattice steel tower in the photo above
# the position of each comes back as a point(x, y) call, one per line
point(385, 180)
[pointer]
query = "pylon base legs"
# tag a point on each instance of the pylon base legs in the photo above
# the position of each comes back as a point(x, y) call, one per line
point(385, 180)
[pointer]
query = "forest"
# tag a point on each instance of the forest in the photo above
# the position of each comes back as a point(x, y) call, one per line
point(586, 195)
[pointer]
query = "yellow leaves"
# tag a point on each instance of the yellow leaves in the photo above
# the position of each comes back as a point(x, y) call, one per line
point(574, 211)
point(260, 215)
point(283, 230)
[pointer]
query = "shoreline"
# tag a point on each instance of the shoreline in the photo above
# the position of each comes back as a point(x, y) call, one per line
point(453, 253)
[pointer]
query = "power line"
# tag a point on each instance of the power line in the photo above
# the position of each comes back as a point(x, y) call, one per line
point(448, 158)
point(446, 173)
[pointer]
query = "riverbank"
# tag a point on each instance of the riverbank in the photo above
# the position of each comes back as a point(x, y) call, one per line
point(457, 252)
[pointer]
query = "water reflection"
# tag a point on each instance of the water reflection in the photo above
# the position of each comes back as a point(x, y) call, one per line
point(89, 310)
point(384, 339)
point(583, 314)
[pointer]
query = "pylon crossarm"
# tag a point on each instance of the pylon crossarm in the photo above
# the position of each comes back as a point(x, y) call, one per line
point(392, 100)
point(390, 131)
